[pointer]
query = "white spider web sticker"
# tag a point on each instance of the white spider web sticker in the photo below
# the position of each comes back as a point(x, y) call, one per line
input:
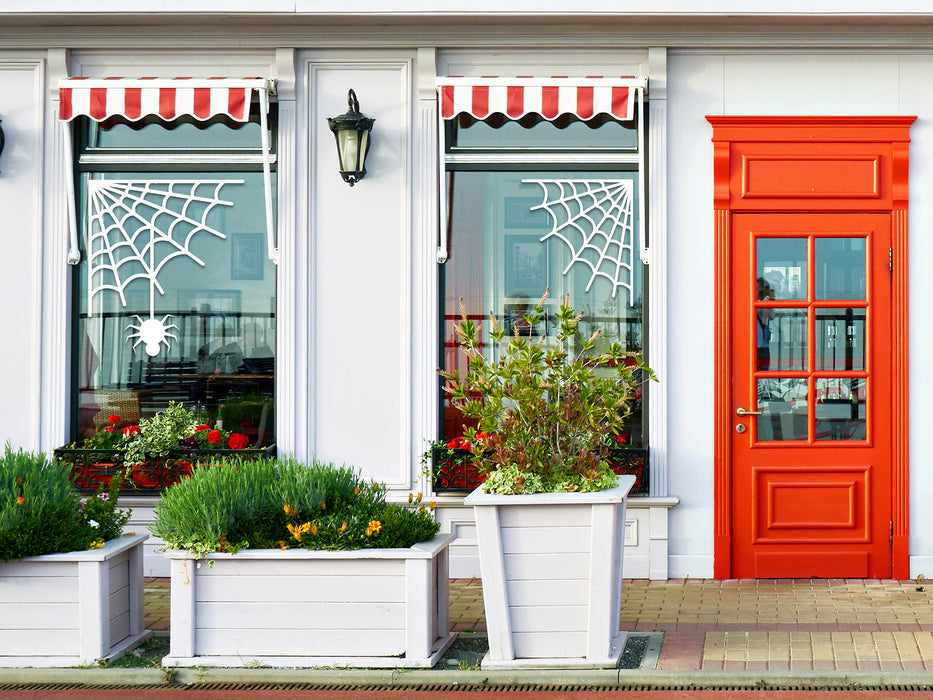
point(137, 228)
point(595, 220)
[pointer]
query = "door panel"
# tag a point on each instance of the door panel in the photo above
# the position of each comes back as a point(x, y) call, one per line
point(811, 367)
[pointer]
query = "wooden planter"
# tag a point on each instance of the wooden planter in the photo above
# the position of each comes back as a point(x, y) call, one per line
point(73, 608)
point(552, 575)
point(384, 608)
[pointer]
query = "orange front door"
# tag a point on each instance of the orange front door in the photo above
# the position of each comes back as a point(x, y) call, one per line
point(811, 395)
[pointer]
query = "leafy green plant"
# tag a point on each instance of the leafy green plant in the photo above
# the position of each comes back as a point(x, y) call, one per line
point(174, 427)
point(41, 512)
point(283, 503)
point(545, 414)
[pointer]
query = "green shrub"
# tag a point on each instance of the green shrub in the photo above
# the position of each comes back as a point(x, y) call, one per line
point(284, 503)
point(41, 512)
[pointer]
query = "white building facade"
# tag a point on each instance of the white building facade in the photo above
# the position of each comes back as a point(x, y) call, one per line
point(355, 307)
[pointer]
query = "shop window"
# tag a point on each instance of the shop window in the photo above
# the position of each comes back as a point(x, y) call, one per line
point(175, 293)
point(541, 202)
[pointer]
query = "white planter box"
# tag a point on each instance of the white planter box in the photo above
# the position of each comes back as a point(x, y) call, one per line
point(73, 608)
point(383, 608)
point(552, 577)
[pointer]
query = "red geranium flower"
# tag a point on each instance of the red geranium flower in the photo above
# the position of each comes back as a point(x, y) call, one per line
point(214, 437)
point(108, 428)
point(114, 419)
point(238, 441)
point(131, 430)
point(201, 428)
point(621, 440)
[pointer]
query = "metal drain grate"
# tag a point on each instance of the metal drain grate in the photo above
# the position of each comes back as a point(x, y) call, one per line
point(477, 688)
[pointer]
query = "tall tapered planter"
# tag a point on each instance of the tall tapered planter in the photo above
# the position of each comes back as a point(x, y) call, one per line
point(552, 576)
point(73, 608)
point(382, 608)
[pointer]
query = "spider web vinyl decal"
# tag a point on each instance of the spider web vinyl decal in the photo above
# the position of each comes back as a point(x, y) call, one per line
point(595, 220)
point(139, 227)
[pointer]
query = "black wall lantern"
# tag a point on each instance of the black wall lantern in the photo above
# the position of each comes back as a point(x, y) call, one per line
point(1, 139)
point(352, 133)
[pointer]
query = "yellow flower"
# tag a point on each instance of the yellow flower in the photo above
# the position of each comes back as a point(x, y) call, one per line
point(282, 545)
point(411, 496)
point(19, 480)
point(314, 529)
point(342, 528)
point(323, 505)
point(20, 500)
point(433, 505)
point(96, 544)
point(420, 496)
point(373, 528)
point(297, 532)
point(289, 511)
point(356, 491)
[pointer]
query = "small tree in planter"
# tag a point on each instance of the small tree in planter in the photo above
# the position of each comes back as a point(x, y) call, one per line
point(321, 568)
point(62, 559)
point(546, 416)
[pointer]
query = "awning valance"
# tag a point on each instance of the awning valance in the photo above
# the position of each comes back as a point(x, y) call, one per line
point(167, 98)
point(548, 97)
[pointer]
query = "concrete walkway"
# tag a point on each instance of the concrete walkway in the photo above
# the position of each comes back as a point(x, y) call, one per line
point(741, 625)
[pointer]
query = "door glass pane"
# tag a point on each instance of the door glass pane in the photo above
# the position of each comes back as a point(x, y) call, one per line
point(840, 409)
point(840, 339)
point(782, 338)
point(840, 268)
point(783, 405)
point(782, 264)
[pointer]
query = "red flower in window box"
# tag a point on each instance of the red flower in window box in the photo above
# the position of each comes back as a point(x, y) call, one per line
point(215, 437)
point(131, 430)
point(114, 419)
point(202, 428)
point(238, 441)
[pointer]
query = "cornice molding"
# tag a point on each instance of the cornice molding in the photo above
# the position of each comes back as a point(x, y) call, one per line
point(611, 33)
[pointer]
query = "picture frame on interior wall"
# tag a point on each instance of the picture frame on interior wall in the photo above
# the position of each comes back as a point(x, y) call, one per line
point(525, 266)
point(246, 256)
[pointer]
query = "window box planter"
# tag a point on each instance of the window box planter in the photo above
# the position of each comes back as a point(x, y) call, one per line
point(552, 575)
point(384, 608)
point(92, 467)
point(453, 470)
point(73, 608)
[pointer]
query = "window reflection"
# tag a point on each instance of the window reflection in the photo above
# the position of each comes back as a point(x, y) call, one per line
point(783, 405)
point(840, 409)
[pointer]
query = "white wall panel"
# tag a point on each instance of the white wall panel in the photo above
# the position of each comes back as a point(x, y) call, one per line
point(915, 97)
point(694, 90)
point(361, 275)
point(22, 84)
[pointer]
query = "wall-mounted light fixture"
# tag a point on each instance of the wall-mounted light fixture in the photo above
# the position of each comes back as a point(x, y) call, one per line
point(352, 133)
point(1, 139)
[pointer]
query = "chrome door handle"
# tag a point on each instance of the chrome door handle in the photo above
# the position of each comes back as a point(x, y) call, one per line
point(742, 412)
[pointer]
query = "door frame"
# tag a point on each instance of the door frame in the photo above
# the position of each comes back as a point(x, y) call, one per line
point(743, 148)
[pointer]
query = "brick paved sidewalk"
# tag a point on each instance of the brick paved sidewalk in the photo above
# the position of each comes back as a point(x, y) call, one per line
point(819, 624)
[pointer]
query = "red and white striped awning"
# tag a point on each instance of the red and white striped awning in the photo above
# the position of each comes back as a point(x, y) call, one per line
point(548, 97)
point(167, 98)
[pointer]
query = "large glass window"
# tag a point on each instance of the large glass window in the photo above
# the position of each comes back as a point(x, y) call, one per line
point(534, 205)
point(175, 293)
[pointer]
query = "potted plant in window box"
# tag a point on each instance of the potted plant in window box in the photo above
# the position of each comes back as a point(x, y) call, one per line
point(71, 584)
point(154, 453)
point(550, 514)
point(279, 563)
